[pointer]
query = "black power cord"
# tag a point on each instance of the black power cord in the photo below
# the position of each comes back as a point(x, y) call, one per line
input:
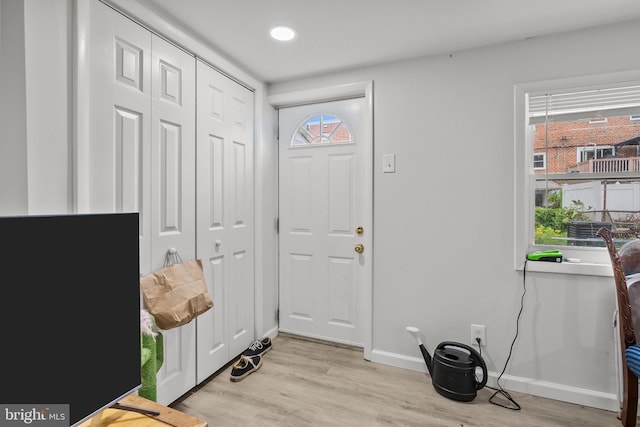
point(499, 390)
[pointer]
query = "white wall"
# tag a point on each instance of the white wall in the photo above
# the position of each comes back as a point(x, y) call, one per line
point(49, 111)
point(35, 114)
point(13, 147)
point(444, 222)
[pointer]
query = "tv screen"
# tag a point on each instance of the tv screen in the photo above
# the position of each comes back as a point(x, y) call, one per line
point(70, 292)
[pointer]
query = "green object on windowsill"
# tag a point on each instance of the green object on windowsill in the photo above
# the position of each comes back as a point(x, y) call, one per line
point(552, 255)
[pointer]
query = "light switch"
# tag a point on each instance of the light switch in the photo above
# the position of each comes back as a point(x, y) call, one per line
point(389, 163)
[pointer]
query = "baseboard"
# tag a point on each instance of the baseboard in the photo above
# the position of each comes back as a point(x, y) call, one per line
point(576, 395)
point(272, 333)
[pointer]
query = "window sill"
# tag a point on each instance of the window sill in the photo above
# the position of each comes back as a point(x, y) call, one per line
point(581, 268)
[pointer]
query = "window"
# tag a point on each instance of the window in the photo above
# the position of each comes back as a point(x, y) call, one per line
point(594, 152)
point(324, 128)
point(580, 168)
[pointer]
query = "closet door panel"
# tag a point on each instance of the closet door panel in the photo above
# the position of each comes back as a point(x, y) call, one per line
point(127, 151)
point(172, 152)
point(212, 218)
point(224, 217)
point(141, 156)
point(240, 208)
point(173, 196)
point(119, 65)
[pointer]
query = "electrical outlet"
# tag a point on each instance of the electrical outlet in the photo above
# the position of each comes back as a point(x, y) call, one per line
point(478, 331)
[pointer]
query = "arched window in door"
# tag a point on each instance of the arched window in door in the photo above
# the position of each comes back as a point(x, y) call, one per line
point(322, 128)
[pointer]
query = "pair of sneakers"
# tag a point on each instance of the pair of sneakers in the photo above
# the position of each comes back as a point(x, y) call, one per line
point(250, 359)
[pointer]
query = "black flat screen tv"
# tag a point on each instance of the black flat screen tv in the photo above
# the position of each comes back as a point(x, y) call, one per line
point(70, 312)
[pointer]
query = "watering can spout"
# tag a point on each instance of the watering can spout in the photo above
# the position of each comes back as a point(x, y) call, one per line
point(425, 353)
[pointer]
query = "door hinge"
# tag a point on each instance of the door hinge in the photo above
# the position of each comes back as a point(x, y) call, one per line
point(277, 225)
point(278, 315)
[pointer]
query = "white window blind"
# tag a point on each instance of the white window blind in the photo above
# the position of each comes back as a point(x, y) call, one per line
point(584, 104)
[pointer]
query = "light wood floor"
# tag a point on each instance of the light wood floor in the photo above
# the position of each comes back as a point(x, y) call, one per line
point(305, 383)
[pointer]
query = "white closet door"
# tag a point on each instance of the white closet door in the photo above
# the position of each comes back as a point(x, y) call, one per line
point(224, 217)
point(119, 99)
point(172, 177)
point(141, 156)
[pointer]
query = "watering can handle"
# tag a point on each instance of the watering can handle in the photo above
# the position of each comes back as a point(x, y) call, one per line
point(474, 355)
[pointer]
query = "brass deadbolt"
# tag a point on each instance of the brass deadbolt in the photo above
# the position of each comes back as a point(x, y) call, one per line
point(360, 230)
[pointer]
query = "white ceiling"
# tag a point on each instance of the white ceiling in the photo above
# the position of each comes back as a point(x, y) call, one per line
point(336, 35)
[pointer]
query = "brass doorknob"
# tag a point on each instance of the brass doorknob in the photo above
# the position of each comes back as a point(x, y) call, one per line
point(359, 248)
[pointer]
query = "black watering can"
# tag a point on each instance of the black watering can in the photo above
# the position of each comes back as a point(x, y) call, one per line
point(453, 368)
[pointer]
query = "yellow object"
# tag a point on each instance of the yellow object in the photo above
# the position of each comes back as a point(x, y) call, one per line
point(122, 418)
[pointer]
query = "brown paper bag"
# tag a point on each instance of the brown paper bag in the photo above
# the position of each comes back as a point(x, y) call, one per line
point(176, 293)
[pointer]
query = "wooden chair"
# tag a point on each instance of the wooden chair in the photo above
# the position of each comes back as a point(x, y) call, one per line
point(628, 415)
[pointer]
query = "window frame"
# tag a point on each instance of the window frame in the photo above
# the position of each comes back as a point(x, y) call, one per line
point(304, 125)
point(543, 160)
point(590, 260)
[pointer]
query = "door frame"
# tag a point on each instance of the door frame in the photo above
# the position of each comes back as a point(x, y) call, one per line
point(334, 93)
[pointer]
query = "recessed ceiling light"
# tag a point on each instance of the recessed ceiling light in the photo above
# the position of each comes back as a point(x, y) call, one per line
point(283, 33)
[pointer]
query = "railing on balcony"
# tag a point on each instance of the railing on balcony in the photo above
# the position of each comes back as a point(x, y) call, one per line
point(612, 164)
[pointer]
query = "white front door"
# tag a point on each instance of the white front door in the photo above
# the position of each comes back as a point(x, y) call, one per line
point(325, 215)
